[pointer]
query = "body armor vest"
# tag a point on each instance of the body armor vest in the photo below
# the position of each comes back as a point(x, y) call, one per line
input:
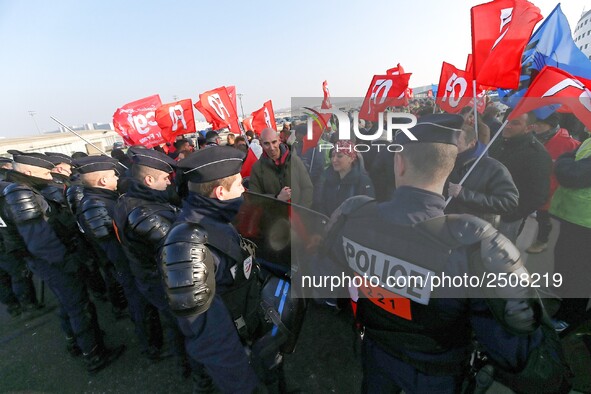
point(410, 316)
point(12, 242)
point(141, 226)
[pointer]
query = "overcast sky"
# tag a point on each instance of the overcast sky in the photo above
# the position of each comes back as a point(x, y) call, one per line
point(81, 60)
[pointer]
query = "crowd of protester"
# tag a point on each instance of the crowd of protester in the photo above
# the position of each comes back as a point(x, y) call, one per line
point(536, 168)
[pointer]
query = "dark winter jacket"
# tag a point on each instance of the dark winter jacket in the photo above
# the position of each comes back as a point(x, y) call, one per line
point(488, 191)
point(530, 166)
point(269, 177)
point(332, 190)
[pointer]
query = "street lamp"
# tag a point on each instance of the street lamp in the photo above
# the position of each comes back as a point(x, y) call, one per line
point(240, 98)
point(33, 113)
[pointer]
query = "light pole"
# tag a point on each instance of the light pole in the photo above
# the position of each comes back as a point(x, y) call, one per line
point(33, 113)
point(240, 98)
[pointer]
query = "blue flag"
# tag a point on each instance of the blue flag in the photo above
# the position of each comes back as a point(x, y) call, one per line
point(550, 45)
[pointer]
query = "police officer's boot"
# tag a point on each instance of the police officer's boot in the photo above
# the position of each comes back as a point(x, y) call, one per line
point(100, 357)
point(14, 310)
point(202, 383)
point(72, 347)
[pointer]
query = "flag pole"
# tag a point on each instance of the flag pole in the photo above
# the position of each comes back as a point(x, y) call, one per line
point(475, 111)
point(479, 157)
point(83, 139)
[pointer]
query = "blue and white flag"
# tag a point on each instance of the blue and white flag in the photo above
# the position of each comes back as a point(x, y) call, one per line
point(551, 45)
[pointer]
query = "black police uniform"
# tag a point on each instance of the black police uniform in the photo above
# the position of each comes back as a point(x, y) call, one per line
point(202, 261)
point(95, 218)
point(17, 290)
point(415, 338)
point(48, 257)
point(143, 216)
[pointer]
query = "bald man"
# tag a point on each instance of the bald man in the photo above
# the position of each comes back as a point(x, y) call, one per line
point(280, 174)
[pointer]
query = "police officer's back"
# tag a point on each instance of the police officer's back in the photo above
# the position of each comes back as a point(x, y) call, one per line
point(205, 249)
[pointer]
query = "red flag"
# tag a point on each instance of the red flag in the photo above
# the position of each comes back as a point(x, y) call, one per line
point(263, 118)
point(136, 123)
point(176, 119)
point(555, 86)
point(232, 93)
point(319, 123)
point(500, 31)
point(384, 91)
point(218, 109)
point(480, 101)
point(247, 124)
point(398, 70)
point(249, 161)
point(455, 89)
point(408, 93)
point(326, 102)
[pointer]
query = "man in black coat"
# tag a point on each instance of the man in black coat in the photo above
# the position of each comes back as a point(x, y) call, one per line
point(530, 166)
point(488, 191)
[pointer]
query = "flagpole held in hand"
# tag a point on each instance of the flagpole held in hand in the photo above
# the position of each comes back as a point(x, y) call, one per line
point(82, 138)
point(475, 105)
point(479, 157)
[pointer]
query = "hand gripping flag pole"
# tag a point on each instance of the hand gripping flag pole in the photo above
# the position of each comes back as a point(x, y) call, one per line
point(480, 157)
point(84, 139)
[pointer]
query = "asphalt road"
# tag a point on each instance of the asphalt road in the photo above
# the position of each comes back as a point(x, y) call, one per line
point(33, 358)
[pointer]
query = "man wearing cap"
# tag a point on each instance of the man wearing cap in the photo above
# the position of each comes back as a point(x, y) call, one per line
point(417, 338)
point(279, 173)
point(63, 167)
point(99, 177)
point(57, 191)
point(204, 260)
point(142, 218)
point(557, 141)
point(17, 290)
point(48, 256)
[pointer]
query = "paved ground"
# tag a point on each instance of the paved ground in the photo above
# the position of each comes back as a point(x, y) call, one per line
point(33, 357)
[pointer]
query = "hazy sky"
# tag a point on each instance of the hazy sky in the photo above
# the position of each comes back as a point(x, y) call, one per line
point(81, 60)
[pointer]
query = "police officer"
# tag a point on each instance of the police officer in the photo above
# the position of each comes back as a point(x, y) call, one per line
point(143, 216)
point(57, 191)
point(415, 338)
point(99, 177)
point(17, 290)
point(204, 260)
point(47, 255)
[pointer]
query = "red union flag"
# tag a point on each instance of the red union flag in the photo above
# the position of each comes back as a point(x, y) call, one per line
point(455, 89)
point(326, 102)
point(555, 86)
point(263, 118)
point(218, 109)
point(247, 123)
point(176, 119)
point(500, 31)
point(136, 122)
point(398, 70)
point(384, 91)
point(319, 123)
point(232, 94)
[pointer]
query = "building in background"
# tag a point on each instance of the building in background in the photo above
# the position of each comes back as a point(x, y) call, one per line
point(582, 33)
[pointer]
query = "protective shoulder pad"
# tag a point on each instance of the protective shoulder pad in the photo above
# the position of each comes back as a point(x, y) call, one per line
point(74, 196)
point(55, 193)
point(188, 269)
point(96, 218)
point(339, 217)
point(148, 225)
point(22, 204)
point(506, 286)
